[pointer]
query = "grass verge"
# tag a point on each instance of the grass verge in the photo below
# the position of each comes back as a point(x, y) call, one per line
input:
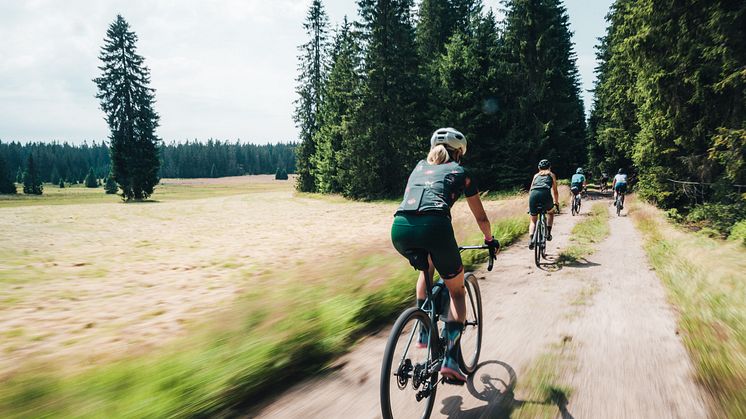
point(268, 339)
point(594, 229)
point(705, 281)
point(542, 386)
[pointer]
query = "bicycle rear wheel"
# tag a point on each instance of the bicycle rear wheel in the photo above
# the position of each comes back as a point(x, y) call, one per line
point(537, 241)
point(471, 338)
point(619, 205)
point(407, 389)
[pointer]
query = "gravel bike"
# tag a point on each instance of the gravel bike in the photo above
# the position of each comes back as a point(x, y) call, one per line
point(576, 204)
point(539, 238)
point(417, 344)
point(619, 203)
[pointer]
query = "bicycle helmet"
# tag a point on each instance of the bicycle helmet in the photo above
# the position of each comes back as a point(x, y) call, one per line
point(620, 171)
point(579, 171)
point(450, 138)
point(544, 164)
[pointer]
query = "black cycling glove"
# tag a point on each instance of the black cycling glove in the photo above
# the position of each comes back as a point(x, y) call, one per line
point(493, 243)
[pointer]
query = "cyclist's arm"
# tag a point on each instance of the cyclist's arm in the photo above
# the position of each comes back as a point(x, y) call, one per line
point(555, 191)
point(476, 207)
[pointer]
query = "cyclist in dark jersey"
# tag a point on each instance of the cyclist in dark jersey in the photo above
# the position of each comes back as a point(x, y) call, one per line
point(543, 188)
point(423, 221)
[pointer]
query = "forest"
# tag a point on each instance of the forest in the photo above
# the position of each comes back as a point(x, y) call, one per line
point(670, 103)
point(191, 159)
point(370, 93)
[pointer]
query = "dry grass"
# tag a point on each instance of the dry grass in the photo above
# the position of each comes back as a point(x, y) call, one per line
point(705, 280)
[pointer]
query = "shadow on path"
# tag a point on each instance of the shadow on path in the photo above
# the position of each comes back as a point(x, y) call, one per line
point(494, 382)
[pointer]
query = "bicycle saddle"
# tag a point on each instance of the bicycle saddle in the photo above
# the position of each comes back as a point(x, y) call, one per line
point(417, 258)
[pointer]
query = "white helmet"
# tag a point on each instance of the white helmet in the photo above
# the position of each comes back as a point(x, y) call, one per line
point(450, 138)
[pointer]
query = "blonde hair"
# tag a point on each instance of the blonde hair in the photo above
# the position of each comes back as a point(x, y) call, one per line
point(441, 154)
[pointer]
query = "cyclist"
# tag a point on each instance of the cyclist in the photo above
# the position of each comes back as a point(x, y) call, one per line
point(423, 221)
point(620, 184)
point(604, 180)
point(543, 187)
point(578, 182)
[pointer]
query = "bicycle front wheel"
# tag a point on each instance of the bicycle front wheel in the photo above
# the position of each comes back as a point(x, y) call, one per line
point(537, 242)
point(471, 338)
point(407, 385)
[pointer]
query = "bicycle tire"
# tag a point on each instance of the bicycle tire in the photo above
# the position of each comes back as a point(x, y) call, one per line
point(473, 314)
point(619, 206)
point(421, 319)
point(537, 242)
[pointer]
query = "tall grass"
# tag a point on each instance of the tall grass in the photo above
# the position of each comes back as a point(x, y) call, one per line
point(271, 337)
point(705, 280)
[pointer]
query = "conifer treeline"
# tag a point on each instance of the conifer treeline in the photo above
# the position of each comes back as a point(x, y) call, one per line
point(71, 163)
point(372, 93)
point(671, 98)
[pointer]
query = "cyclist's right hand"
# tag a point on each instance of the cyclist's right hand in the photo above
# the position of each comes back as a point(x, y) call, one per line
point(493, 243)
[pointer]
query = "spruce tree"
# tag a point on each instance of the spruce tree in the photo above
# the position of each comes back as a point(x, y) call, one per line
point(312, 64)
point(281, 174)
point(127, 100)
point(19, 175)
point(111, 185)
point(6, 182)
point(31, 180)
point(341, 96)
point(388, 129)
point(545, 117)
point(90, 179)
point(62, 183)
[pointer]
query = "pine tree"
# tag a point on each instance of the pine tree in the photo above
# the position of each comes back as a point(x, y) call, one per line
point(62, 183)
point(31, 180)
point(90, 179)
point(281, 174)
point(545, 116)
point(127, 100)
point(387, 131)
point(312, 64)
point(341, 96)
point(111, 185)
point(6, 182)
point(19, 175)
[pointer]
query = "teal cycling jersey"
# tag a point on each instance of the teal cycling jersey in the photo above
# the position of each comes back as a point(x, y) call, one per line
point(577, 179)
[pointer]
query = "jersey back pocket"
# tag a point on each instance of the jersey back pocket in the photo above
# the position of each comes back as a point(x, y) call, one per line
point(413, 198)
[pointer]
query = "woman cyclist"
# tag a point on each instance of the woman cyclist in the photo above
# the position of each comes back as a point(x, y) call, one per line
point(423, 221)
point(620, 184)
point(543, 188)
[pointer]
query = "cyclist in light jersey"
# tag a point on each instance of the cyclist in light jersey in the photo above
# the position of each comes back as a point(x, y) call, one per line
point(620, 183)
point(578, 182)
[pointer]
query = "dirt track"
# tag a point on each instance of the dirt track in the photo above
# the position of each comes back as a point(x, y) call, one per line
point(606, 317)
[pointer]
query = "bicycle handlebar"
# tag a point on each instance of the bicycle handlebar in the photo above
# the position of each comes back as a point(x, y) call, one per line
point(493, 253)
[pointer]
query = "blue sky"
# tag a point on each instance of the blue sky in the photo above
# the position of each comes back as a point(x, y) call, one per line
point(222, 69)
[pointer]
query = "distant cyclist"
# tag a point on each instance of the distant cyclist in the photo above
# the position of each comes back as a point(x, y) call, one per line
point(578, 182)
point(543, 194)
point(604, 181)
point(620, 183)
point(423, 221)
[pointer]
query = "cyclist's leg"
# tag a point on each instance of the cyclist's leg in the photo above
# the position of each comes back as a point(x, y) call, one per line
point(447, 260)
